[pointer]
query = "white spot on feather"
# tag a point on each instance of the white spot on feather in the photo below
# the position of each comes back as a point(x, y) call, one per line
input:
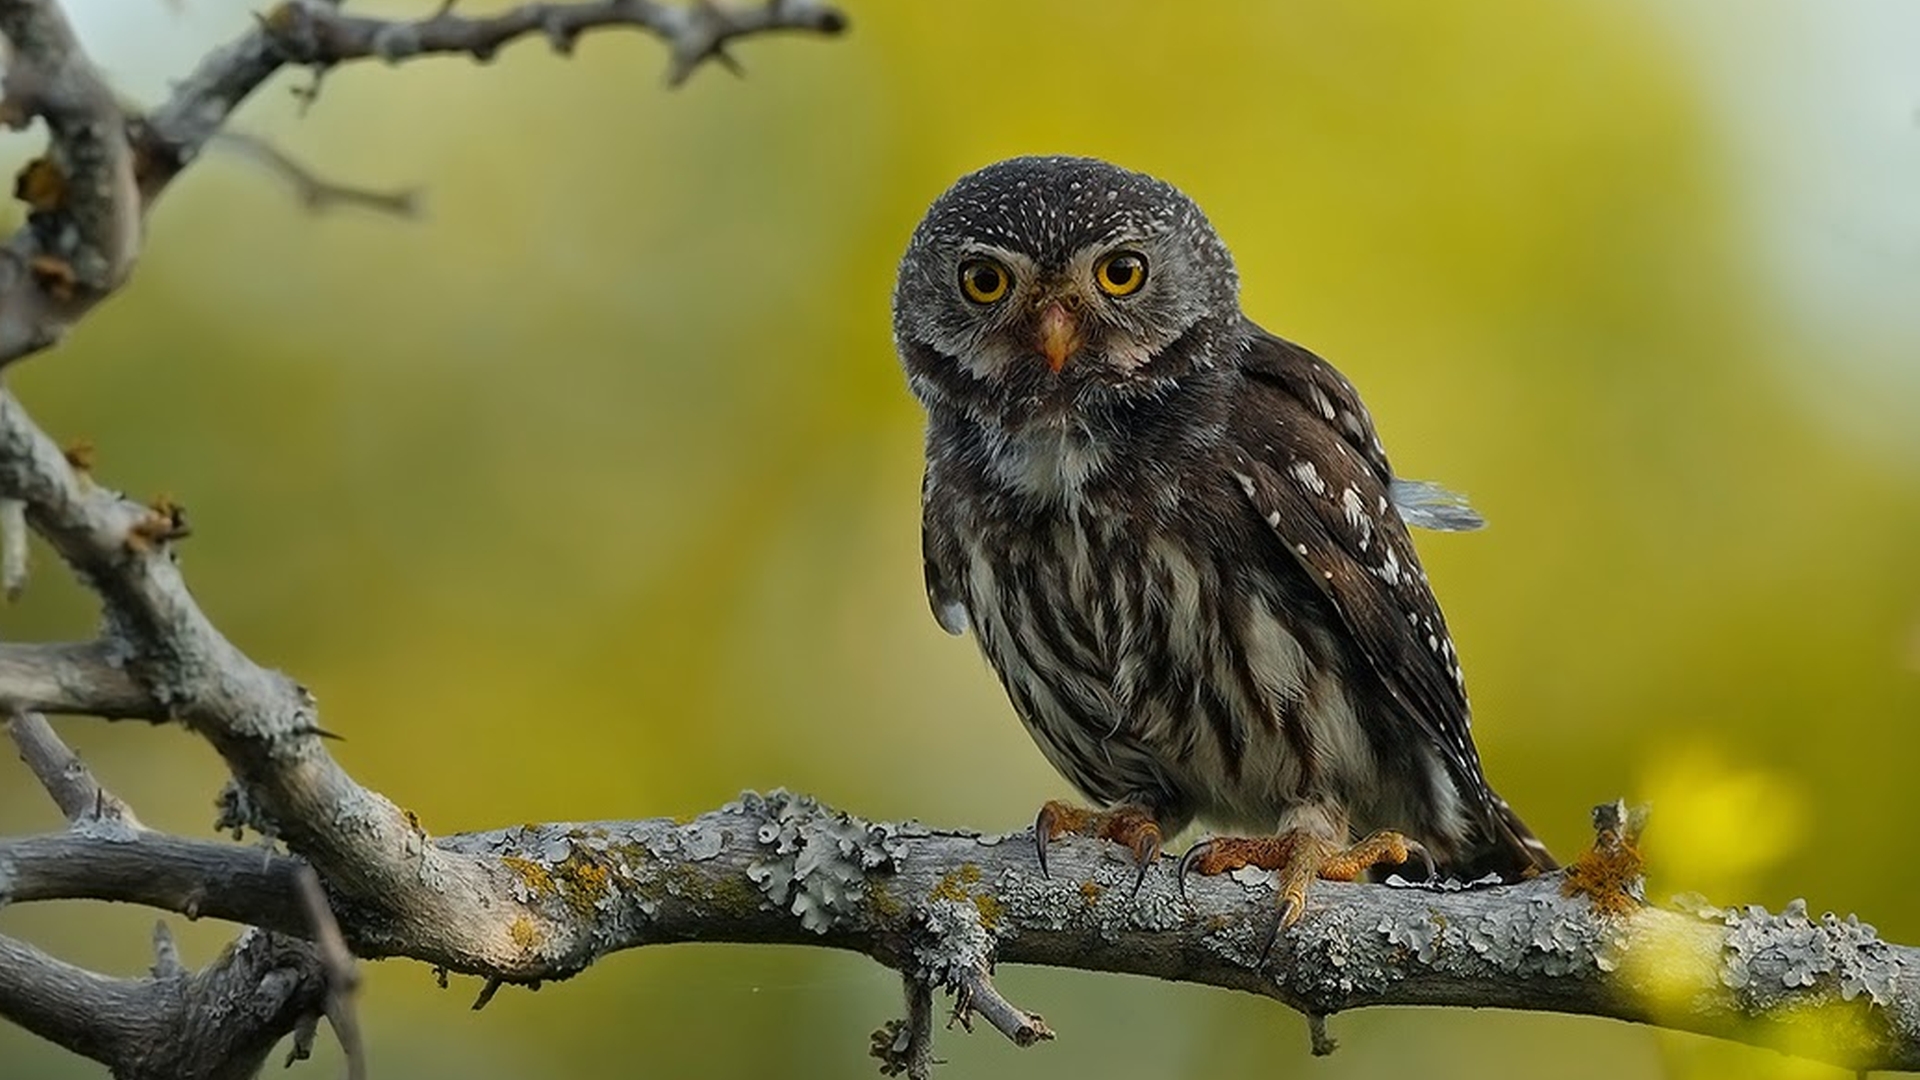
point(1320, 401)
point(1389, 571)
point(1356, 511)
point(1308, 476)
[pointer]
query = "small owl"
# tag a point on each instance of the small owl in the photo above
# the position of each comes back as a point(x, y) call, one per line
point(1177, 540)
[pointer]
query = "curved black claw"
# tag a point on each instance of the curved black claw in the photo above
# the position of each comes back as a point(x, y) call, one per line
point(1146, 852)
point(1273, 932)
point(1042, 828)
point(1415, 847)
point(1197, 851)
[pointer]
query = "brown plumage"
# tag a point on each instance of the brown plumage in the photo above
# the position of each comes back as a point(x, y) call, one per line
point(1176, 536)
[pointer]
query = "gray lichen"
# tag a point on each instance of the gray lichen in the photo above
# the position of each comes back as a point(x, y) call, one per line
point(819, 859)
point(956, 941)
point(1769, 954)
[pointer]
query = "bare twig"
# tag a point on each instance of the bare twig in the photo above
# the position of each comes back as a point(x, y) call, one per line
point(918, 1051)
point(343, 979)
point(319, 35)
point(166, 954)
point(194, 878)
point(73, 680)
point(315, 193)
point(13, 548)
point(978, 995)
point(66, 778)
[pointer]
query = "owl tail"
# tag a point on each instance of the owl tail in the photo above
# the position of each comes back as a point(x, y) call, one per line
point(1507, 850)
point(1517, 852)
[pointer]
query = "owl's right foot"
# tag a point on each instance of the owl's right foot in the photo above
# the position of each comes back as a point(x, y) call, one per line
point(1298, 857)
point(1129, 825)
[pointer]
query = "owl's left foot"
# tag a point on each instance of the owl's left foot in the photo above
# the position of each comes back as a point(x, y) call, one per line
point(1297, 857)
point(1128, 824)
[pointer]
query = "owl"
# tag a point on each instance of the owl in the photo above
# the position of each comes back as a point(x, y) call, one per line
point(1177, 540)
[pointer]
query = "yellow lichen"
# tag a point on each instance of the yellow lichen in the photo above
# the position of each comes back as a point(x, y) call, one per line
point(954, 887)
point(1090, 892)
point(949, 888)
point(523, 933)
point(586, 877)
point(989, 908)
point(531, 873)
point(883, 904)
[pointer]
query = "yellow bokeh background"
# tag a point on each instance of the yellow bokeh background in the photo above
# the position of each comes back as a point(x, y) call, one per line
point(594, 493)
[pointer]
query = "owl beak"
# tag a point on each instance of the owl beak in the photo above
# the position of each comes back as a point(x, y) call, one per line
point(1059, 336)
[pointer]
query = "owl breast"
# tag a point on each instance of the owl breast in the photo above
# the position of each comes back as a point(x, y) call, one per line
point(1151, 671)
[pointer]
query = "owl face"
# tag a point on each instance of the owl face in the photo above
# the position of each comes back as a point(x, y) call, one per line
point(1038, 287)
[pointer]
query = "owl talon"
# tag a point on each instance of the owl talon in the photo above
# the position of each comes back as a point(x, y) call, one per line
point(1430, 870)
point(1297, 857)
point(1043, 833)
point(1130, 826)
point(1196, 853)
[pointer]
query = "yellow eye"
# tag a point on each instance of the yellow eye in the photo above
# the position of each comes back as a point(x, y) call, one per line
point(1121, 273)
point(983, 280)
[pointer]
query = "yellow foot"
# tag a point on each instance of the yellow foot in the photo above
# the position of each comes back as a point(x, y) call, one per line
point(1297, 857)
point(1128, 825)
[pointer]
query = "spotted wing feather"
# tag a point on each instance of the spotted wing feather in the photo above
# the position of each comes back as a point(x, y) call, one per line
point(1313, 468)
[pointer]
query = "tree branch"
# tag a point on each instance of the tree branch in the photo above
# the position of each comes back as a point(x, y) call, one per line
point(218, 1024)
point(65, 776)
point(314, 192)
point(81, 241)
point(945, 907)
point(104, 170)
point(323, 36)
point(73, 680)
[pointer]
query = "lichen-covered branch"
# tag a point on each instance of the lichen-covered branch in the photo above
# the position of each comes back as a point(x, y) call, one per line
point(945, 906)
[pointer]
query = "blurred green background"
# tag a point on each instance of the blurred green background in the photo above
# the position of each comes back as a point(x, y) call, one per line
point(594, 494)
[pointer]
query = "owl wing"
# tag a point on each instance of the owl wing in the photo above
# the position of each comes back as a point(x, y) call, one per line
point(940, 558)
point(1328, 394)
point(1314, 470)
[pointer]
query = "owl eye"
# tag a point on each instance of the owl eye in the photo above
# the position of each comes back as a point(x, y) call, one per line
point(983, 280)
point(1121, 273)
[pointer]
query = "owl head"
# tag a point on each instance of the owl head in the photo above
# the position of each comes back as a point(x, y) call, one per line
point(1040, 287)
